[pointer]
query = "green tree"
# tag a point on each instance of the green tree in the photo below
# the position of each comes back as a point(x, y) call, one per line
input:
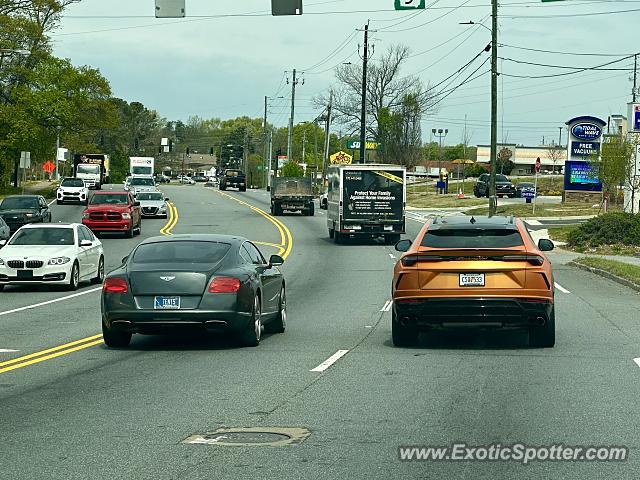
point(292, 169)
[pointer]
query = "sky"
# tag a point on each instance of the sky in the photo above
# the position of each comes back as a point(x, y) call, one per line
point(225, 56)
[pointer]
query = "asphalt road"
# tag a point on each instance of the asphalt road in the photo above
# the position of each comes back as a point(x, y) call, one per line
point(84, 411)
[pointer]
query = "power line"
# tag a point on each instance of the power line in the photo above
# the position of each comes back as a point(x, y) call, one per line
point(580, 70)
point(335, 52)
point(566, 67)
point(572, 15)
point(451, 10)
point(564, 53)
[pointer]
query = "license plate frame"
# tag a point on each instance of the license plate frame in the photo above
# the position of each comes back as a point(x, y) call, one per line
point(24, 274)
point(163, 302)
point(470, 280)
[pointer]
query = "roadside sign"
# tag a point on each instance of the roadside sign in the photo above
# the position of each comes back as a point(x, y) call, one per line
point(170, 8)
point(286, 7)
point(637, 172)
point(355, 145)
point(341, 158)
point(538, 165)
point(410, 4)
point(528, 194)
point(48, 166)
point(62, 154)
point(25, 159)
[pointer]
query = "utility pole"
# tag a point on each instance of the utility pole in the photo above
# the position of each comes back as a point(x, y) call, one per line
point(325, 158)
point(363, 112)
point(270, 157)
point(245, 147)
point(560, 136)
point(494, 107)
point(58, 129)
point(264, 143)
point(634, 93)
point(294, 83)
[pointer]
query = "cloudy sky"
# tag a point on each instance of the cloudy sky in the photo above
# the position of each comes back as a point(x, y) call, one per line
point(227, 55)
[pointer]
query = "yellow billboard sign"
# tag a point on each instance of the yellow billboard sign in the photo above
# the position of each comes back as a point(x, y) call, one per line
point(341, 158)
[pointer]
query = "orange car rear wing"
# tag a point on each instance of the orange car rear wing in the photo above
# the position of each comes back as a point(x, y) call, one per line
point(413, 259)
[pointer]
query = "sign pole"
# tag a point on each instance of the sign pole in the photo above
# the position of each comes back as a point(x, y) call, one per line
point(535, 193)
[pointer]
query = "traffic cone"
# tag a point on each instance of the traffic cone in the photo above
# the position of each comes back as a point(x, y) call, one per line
point(460, 194)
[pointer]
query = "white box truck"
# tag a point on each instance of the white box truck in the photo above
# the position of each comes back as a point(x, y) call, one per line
point(141, 166)
point(366, 200)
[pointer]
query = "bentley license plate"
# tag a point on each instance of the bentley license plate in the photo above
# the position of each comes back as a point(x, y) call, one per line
point(472, 279)
point(166, 303)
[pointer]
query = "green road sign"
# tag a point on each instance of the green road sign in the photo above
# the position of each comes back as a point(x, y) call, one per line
point(411, 4)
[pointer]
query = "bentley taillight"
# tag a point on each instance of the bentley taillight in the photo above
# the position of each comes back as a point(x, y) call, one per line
point(115, 285)
point(224, 285)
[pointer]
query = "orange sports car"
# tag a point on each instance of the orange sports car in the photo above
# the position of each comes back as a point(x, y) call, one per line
point(473, 272)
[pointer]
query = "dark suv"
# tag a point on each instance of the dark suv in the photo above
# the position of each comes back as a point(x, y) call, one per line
point(504, 186)
point(233, 178)
point(19, 210)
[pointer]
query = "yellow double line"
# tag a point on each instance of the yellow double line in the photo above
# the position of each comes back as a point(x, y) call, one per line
point(83, 343)
point(50, 353)
point(172, 221)
point(286, 239)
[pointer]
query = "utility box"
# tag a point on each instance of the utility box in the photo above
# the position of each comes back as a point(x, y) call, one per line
point(170, 9)
point(286, 7)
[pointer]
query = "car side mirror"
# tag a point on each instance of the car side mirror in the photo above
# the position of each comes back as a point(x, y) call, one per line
point(124, 259)
point(403, 245)
point(166, 199)
point(276, 261)
point(545, 245)
point(86, 243)
point(3, 243)
point(136, 203)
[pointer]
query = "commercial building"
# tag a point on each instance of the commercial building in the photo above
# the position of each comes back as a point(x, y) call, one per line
point(552, 157)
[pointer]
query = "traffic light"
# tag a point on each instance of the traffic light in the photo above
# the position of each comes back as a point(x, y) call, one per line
point(211, 151)
point(160, 149)
point(278, 152)
point(286, 7)
point(170, 145)
point(188, 151)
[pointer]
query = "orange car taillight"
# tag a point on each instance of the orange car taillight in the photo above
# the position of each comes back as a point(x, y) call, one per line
point(411, 260)
point(115, 285)
point(536, 260)
point(224, 285)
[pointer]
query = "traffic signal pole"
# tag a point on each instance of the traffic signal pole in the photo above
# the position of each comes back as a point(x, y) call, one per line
point(363, 112)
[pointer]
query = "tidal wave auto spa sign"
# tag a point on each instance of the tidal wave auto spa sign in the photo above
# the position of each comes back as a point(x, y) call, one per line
point(583, 149)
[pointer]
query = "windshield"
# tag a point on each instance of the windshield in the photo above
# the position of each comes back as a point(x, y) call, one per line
point(501, 178)
point(150, 196)
point(233, 173)
point(181, 252)
point(142, 181)
point(19, 203)
point(472, 238)
point(110, 199)
point(72, 182)
point(526, 185)
point(141, 170)
point(88, 169)
point(43, 236)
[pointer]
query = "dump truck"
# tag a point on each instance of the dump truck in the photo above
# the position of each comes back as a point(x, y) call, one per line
point(292, 194)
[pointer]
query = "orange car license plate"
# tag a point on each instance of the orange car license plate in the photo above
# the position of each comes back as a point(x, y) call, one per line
point(472, 279)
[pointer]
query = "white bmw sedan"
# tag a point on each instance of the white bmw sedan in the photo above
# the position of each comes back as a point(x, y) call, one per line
point(55, 253)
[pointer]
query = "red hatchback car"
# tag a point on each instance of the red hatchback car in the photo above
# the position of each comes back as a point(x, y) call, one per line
point(113, 212)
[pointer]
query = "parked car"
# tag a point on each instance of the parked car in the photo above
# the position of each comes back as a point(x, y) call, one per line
point(524, 189)
point(72, 189)
point(504, 186)
point(19, 210)
point(200, 178)
point(202, 282)
point(185, 180)
point(57, 254)
point(473, 273)
point(113, 212)
point(153, 204)
point(5, 231)
point(161, 178)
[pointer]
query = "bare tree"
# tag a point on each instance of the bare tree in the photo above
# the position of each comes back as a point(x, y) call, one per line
point(386, 89)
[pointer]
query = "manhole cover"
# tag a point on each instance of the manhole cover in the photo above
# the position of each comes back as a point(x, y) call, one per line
point(250, 437)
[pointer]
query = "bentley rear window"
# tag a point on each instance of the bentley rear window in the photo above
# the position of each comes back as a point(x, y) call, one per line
point(181, 252)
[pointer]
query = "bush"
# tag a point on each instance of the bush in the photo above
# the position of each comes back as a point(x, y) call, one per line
point(292, 169)
point(474, 170)
point(608, 229)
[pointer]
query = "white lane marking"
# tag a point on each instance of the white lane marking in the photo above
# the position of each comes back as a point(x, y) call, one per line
point(392, 256)
point(637, 360)
point(330, 361)
point(49, 302)
point(533, 222)
point(8, 350)
point(387, 306)
point(561, 288)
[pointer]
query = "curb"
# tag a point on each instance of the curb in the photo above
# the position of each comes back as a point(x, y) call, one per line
point(609, 275)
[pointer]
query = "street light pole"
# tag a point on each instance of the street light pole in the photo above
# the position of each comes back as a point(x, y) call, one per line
point(58, 128)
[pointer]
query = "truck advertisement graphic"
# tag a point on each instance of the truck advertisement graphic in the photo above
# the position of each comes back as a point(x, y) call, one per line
point(373, 195)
